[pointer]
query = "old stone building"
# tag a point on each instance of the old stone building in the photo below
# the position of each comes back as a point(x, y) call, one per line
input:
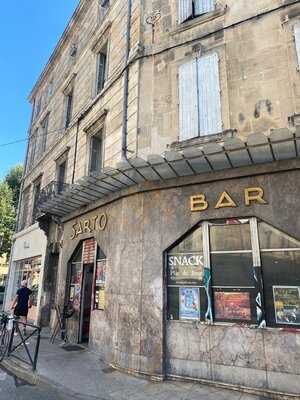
point(160, 199)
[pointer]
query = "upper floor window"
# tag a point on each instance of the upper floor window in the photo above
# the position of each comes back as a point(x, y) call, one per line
point(103, 8)
point(193, 8)
point(68, 108)
point(199, 97)
point(36, 194)
point(101, 69)
point(297, 42)
point(61, 176)
point(24, 208)
point(96, 156)
point(44, 134)
point(32, 149)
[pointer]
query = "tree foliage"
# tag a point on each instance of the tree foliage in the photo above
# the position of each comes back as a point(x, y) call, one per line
point(7, 217)
point(13, 179)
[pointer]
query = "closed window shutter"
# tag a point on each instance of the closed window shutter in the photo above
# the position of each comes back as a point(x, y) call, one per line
point(209, 99)
point(203, 6)
point(188, 107)
point(185, 10)
point(297, 41)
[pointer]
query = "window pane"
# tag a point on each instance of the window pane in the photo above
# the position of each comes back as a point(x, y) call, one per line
point(232, 269)
point(231, 236)
point(281, 269)
point(192, 243)
point(272, 238)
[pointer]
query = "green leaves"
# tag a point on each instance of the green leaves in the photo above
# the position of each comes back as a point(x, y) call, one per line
point(9, 195)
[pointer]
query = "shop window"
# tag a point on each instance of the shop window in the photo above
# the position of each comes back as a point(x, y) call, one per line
point(100, 279)
point(236, 271)
point(185, 276)
point(87, 262)
point(29, 270)
point(280, 259)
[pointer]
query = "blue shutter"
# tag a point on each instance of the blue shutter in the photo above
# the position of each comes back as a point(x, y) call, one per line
point(203, 6)
point(209, 99)
point(297, 41)
point(188, 102)
point(185, 10)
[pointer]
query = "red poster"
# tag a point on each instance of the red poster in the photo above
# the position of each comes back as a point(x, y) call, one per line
point(232, 305)
point(89, 248)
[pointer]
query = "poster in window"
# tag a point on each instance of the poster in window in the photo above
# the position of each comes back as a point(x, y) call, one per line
point(287, 304)
point(100, 272)
point(185, 269)
point(101, 298)
point(189, 304)
point(232, 306)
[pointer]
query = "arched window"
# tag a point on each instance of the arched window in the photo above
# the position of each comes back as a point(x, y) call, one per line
point(236, 271)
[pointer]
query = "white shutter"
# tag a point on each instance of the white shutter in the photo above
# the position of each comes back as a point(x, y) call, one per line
point(185, 10)
point(203, 6)
point(297, 41)
point(210, 119)
point(188, 102)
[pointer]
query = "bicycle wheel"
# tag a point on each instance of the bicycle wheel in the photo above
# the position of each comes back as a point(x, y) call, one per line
point(4, 343)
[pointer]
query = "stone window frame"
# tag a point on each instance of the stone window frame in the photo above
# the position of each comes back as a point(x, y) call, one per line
point(68, 90)
point(61, 159)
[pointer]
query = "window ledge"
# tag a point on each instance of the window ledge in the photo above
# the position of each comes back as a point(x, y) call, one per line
point(201, 140)
point(202, 19)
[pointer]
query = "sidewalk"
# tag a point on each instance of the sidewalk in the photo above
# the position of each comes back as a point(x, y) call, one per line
point(82, 375)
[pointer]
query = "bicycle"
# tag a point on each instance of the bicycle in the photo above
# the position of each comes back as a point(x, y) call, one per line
point(4, 334)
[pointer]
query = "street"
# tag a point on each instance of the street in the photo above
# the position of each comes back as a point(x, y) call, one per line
point(12, 388)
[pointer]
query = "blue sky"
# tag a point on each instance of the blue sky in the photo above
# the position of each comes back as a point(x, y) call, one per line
point(29, 31)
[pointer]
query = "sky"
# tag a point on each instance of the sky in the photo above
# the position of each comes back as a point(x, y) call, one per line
point(29, 31)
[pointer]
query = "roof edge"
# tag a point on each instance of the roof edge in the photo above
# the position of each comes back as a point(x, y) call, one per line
point(65, 35)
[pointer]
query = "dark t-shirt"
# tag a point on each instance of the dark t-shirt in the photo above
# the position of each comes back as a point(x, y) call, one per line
point(23, 298)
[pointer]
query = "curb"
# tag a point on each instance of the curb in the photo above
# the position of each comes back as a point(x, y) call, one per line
point(20, 372)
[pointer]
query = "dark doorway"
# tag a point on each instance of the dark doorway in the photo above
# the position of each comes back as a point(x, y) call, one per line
point(86, 305)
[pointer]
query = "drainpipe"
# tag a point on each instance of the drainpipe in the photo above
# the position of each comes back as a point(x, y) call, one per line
point(126, 82)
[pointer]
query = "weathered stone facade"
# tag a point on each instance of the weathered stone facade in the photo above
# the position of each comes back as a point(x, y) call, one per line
point(259, 90)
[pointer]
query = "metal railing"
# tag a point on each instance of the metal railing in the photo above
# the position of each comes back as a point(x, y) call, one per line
point(22, 340)
point(30, 356)
point(48, 192)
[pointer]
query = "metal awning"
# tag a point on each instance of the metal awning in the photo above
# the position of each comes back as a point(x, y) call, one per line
point(281, 144)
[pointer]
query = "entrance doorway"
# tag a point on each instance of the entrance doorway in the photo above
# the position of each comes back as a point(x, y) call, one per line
point(85, 288)
point(86, 305)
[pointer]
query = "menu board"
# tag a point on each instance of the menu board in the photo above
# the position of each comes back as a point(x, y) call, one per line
point(287, 304)
point(89, 249)
point(185, 269)
point(189, 304)
point(232, 306)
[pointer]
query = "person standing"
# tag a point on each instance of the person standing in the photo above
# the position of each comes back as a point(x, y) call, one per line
point(22, 302)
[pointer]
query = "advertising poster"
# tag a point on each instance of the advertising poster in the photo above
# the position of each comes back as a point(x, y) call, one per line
point(101, 299)
point(287, 304)
point(189, 304)
point(185, 269)
point(100, 272)
point(232, 305)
